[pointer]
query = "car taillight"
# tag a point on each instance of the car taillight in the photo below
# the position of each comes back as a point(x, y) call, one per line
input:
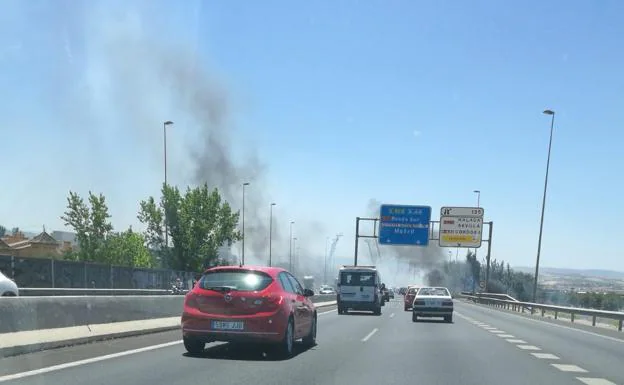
point(272, 301)
point(191, 301)
point(447, 303)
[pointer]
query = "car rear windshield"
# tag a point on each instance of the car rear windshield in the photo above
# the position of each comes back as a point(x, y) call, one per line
point(243, 280)
point(432, 291)
point(357, 279)
point(412, 290)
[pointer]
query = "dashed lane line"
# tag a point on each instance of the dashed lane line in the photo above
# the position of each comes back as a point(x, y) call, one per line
point(595, 381)
point(516, 341)
point(545, 356)
point(528, 347)
point(369, 335)
point(521, 344)
point(569, 368)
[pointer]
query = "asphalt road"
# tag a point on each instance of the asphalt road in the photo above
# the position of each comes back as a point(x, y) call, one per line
point(352, 349)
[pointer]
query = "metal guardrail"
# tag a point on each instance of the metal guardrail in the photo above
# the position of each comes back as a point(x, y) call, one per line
point(533, 307)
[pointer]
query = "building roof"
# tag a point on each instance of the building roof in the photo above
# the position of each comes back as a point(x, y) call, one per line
point(44, 238)
point(4, 245)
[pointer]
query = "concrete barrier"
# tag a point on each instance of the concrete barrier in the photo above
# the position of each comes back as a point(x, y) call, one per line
point(35, 313)
point(103, 318)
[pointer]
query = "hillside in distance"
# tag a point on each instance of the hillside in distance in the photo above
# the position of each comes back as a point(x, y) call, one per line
point(594, 273)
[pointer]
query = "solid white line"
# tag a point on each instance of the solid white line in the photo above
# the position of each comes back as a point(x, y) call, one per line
point(528, 347)
point(84, 362)
point(569, 368)
point(369, 335)
point(595, 381)
point(516, 341)
point(545, 356)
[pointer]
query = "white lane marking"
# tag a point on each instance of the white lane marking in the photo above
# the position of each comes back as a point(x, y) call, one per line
point(497, 331)
point(528, 347)
point(507, 335)
point(369, 335)
point(569, 368)
point(516, 341)
point(327, 312)
point(561, 326)
point(489, 328)
point(595, 381)
point(67, 365)
point(392, 315)
point(545, 356)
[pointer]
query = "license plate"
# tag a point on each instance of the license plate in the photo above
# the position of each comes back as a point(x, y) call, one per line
point(433, 303)
point(228, 325)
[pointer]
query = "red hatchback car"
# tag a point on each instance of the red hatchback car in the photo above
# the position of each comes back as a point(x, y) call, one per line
point(248, 304)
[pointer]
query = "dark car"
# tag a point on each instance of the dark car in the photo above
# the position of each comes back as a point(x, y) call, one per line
point(249, 305)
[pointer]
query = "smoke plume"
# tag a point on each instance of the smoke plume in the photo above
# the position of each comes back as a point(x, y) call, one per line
point(409, 262)
point(143, 79)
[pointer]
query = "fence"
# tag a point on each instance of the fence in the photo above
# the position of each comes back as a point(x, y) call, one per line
point(518, 306)
point(46, 273)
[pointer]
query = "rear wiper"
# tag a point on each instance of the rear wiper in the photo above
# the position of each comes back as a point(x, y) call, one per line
point(220, 288)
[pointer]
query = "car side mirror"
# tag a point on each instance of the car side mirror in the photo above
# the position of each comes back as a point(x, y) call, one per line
point(308, 293)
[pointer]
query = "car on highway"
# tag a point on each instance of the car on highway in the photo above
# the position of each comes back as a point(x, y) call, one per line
point(8, 288)
point(433, 302)
point(408, 299)
point(359, 288)
point(327, 290)
point(248, 304)
point(390, 293)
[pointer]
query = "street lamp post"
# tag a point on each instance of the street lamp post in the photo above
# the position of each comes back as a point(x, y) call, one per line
point(325, 261)
point(243, 253)
point(290, 239)
point(294, 254)
point(539, 240)
point(165, 124)
point(271, 233)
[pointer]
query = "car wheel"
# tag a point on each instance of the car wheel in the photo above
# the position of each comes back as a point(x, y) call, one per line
point(414, 317)
point(310, 339)
point(193, 346)
point(378, 311)
point(406, 308)
point(448, 318)
point(287, 345)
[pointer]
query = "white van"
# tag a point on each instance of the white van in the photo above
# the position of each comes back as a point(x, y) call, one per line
point(359, 288)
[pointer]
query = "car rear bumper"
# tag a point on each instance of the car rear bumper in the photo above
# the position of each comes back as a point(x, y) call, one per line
point(432, 311)
point(269, 328)
point(357, 305)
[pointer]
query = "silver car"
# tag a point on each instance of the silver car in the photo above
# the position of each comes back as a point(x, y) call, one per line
point(433, 302)
point(8, 288)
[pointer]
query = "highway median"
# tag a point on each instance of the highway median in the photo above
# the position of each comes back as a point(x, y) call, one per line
point(30, 324)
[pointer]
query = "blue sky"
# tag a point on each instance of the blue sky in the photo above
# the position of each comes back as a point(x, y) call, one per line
point(329, 105)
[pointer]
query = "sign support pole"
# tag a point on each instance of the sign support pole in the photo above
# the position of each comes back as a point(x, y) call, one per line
point(489, 253)
point(357, 238)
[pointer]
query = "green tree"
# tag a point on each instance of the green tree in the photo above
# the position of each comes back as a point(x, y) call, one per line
point(91, 224)
point(128, 249)
point(15, 231)
point(3, 231)
point(198, 223)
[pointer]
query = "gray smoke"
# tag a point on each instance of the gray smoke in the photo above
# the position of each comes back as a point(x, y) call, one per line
point(144, 79)
point(418, 259)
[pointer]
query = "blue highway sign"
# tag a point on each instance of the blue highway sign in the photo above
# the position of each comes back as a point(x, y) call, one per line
point(404, 225)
